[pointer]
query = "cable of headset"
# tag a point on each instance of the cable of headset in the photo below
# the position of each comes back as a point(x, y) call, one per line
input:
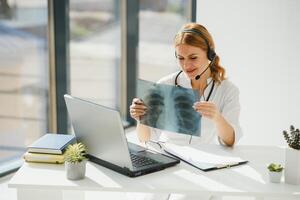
point(211, 55)
point(209, 94)
point(190, 139)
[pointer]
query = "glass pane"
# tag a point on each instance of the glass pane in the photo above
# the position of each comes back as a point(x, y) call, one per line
point(95, 50)
point(23, 75)
point(159, 21)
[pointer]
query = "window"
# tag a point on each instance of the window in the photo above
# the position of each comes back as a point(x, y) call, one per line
point(159, 21)
point(23, 76)
point(95, 51)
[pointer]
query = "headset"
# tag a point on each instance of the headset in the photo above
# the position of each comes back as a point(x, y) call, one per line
point(211, 54)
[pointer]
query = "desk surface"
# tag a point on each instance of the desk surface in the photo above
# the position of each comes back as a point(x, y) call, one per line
point(250, 179)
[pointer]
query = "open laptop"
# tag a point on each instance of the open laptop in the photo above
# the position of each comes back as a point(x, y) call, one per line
point(101, 130)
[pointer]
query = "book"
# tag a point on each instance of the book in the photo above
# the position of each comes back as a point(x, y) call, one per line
point(51, 143)
point(204, 160)
point(44, 158)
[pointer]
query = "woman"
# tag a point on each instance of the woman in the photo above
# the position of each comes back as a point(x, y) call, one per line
point(201, 71)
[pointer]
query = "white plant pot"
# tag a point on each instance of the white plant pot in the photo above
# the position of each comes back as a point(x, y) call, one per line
point(275, 177)
point(292, 166)
point(75, 171)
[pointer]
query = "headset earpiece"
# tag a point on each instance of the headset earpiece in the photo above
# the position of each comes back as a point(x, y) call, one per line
point(211, 54)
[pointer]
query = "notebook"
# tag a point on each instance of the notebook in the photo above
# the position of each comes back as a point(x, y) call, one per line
point(204, 160)
point(51, 143)
point(101, 130)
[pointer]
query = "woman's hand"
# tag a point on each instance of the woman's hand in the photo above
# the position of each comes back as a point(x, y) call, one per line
point(137, 109)
point(208, 110)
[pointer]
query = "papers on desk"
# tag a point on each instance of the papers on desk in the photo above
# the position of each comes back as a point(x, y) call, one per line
point(201, 159)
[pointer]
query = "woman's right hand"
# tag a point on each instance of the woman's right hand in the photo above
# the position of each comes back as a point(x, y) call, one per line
point(137, 109)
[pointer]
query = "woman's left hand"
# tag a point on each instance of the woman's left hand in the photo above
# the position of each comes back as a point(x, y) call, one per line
point(208, 110)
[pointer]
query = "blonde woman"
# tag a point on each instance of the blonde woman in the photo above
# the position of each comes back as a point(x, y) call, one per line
point(200, 70)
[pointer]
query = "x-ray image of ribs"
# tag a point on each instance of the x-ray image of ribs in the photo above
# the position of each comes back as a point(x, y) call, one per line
point(188, 120)
point(154, 101)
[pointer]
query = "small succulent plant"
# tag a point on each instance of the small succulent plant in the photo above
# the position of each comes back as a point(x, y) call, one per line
point(293, 137)
point(76, 153)
point(275, 167)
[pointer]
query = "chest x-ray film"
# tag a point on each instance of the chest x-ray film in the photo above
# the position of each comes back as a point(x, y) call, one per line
point(169, 108)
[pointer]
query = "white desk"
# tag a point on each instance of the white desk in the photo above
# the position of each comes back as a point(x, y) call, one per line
point(48, 181)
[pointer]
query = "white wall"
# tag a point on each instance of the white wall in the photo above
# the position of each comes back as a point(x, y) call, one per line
point(259, 45)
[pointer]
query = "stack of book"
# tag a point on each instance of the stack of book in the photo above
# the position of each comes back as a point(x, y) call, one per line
point(50, 148)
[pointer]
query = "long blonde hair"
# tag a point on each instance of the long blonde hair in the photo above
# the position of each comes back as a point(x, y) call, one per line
point(197, 40)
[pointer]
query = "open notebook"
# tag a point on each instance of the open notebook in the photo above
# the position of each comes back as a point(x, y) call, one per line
point(201, 159)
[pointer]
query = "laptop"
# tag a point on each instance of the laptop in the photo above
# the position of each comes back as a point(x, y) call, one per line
point(101, 130)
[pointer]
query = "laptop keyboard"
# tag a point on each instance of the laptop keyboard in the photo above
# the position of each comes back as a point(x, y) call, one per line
point(140, 161)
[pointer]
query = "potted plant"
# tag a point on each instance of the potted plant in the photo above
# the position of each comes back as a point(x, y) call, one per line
point(292, 156)
point(75, 161)
point(275, 172)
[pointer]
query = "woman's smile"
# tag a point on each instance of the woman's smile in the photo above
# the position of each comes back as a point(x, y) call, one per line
point(191, 71)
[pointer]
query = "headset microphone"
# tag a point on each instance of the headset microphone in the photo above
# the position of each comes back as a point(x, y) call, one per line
point(199, 75)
